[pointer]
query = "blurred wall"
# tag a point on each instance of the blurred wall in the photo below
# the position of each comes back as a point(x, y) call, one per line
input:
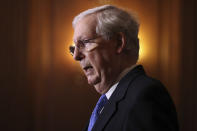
point(16, 93)
point(188, 81)
point(42, 88)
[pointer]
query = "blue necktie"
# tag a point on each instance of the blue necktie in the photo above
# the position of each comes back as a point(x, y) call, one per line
point(99, 106)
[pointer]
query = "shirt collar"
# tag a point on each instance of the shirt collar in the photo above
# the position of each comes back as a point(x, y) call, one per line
point(111, 90)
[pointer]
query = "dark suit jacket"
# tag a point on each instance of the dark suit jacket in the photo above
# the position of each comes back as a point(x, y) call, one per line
point(139, 103)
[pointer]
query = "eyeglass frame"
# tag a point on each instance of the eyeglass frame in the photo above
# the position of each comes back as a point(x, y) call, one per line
point(82, 45)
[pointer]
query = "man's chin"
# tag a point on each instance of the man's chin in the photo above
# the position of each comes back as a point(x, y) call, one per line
point(92, 81)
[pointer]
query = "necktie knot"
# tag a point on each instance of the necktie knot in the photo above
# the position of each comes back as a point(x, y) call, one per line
point(97, 110)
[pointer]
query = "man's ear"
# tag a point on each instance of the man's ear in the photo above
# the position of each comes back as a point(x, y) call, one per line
point(121, 42)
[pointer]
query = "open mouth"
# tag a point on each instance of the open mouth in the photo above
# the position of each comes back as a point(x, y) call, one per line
point(87, 68)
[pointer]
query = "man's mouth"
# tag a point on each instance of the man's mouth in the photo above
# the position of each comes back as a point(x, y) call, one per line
point(87, 68)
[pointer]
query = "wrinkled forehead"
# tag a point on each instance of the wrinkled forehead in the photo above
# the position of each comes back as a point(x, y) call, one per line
point(85, 28)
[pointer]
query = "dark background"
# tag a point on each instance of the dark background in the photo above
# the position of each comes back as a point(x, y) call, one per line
point(43, 89)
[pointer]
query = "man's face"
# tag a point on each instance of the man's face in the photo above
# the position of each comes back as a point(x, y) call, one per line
point(98, 63)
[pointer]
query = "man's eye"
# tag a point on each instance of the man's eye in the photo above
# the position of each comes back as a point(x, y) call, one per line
point(86, 41)
point(81, 44)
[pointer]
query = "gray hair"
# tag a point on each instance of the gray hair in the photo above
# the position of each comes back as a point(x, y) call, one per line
point(113, 20)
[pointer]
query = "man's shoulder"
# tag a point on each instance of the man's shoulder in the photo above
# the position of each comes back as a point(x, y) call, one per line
point(144, 81)
point(141, 84)
point(138, 77)
point(136, 85)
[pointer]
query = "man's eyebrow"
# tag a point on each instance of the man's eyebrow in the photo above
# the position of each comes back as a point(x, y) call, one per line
point(76, 41)
point(82, 40)
point(79, 39)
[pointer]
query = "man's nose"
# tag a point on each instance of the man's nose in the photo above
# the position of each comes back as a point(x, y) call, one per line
point(78, 55)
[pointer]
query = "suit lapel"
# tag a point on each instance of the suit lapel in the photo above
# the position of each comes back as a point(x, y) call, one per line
point(116, 97)
point(108, 111)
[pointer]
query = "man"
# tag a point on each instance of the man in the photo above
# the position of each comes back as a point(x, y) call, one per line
point(107, 48)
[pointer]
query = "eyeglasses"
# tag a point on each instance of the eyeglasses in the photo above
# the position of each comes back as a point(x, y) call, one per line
point(84, 45)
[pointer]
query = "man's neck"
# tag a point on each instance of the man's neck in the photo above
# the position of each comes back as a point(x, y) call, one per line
point(122, 74)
